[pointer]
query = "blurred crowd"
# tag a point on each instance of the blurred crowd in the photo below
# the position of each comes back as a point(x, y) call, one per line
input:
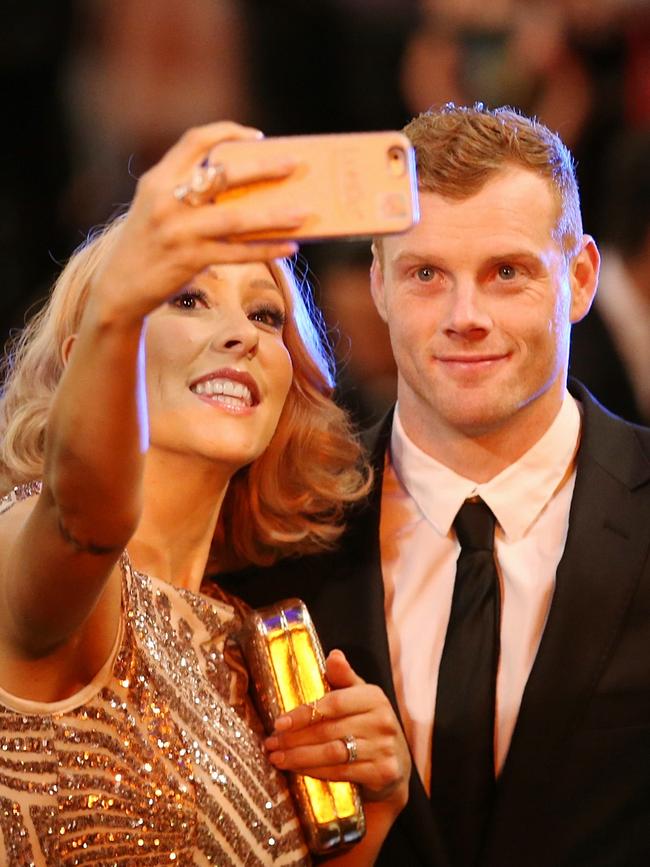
point(95, 91)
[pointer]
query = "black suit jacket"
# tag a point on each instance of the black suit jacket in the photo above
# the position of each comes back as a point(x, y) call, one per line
point(596, 361)
point(575, 787)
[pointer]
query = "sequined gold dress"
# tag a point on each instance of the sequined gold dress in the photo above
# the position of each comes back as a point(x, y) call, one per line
point(150, 764)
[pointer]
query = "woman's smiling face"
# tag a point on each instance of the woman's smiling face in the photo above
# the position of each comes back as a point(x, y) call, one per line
point(218, 370)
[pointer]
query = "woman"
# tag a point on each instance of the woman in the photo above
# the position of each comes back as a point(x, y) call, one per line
point(172, 372)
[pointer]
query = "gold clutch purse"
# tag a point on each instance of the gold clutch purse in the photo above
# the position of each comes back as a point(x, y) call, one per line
point(287, 666)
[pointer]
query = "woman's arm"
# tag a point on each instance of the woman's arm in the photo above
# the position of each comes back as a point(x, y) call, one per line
point(56, 557)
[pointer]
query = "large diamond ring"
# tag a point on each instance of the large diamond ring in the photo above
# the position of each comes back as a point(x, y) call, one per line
point(207, 180)
point(350, 743)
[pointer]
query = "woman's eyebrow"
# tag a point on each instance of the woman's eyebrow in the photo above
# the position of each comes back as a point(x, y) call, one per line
point(261, 283)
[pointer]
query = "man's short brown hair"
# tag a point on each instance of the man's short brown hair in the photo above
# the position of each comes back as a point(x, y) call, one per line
point(459, 148)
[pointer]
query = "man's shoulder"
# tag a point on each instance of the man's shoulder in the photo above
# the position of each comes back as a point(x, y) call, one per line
point(621, 447)
point(375, 439)
point(601, 420)
point(308, 575)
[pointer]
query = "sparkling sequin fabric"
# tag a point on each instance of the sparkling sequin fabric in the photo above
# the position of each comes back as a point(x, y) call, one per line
point(149, 764)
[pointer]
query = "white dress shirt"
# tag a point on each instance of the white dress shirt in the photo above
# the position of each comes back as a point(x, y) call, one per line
point(531, 500)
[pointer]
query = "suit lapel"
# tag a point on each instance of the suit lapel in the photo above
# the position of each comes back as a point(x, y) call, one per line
point(370, 627)
point(596, 579)
point(417, 821)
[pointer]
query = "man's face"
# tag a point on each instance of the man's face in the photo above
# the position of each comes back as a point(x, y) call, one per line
point(478, 298)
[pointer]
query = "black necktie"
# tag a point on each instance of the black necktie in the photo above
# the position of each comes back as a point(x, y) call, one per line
point(462, 768)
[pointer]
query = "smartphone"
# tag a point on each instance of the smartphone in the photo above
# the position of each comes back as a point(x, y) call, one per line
point(354, 185)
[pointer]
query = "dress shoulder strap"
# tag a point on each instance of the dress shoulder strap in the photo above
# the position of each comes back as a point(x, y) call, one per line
point(20, 492)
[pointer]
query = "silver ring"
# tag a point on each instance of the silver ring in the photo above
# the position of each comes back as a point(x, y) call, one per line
point(206, 182)
point(350, 744)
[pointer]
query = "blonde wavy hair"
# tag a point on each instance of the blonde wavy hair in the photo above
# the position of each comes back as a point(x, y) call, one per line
point(291, 500)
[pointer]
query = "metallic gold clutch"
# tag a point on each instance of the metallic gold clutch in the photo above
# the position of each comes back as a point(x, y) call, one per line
point(287, 666)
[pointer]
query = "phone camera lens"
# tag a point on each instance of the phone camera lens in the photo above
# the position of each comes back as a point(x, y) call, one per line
point(396, 161)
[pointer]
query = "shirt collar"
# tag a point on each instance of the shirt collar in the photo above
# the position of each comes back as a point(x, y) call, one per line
point(517, 495)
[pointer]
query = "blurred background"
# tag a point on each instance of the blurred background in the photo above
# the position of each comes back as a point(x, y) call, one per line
point(95, 91)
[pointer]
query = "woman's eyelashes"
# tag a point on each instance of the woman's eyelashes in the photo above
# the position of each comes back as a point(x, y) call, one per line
point(190, 299)
point(265, 313)
point(269, 315)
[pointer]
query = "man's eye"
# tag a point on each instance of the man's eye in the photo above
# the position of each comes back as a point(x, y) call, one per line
point(507, 272)
point(271, 316)
point(425, 274)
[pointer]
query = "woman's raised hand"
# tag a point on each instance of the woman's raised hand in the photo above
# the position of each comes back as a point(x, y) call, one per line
point(350, 734)
point(171, 233)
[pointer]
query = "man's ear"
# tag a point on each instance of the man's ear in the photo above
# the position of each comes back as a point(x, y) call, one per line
point(66, 348)
point(583, 274)
point(377, 285)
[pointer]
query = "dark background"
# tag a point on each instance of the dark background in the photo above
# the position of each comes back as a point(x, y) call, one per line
point(94, 92)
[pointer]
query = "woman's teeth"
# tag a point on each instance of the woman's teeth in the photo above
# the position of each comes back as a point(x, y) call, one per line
point(224, 388)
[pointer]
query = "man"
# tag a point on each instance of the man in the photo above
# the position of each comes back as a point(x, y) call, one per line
point(479, 298)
